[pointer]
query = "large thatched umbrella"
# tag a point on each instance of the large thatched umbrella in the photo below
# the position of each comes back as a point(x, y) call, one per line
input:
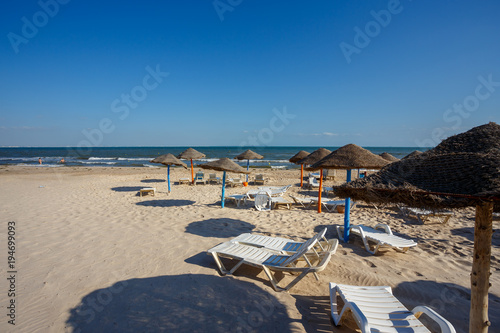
point(462, 171)
point(350, 157)
point(249, 155)
point(191, 154)
point(312, 158)
point(168, 160)
point(389, 157)
point(224, 164)
point(296, 158)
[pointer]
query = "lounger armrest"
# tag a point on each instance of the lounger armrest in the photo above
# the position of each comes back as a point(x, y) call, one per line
point(445, 325)
point(358, 316)
point(384, 227)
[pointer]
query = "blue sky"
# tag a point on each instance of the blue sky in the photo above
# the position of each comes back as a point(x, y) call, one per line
point(234, 72)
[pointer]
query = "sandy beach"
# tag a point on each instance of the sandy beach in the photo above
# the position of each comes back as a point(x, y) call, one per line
point(91, 255)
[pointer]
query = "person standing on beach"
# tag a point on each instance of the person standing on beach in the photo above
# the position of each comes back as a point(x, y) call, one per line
point(39, 160)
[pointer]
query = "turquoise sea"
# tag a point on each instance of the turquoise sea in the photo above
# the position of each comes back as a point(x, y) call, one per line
point(141, 156)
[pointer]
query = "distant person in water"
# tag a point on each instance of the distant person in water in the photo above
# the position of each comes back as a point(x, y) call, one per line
point(39, 160)
point(62, 160)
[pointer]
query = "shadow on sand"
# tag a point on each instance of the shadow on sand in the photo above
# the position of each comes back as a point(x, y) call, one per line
point(153, 181)
point(126, 188)
point(219, 228)
point(180, 303)
point(166, 203)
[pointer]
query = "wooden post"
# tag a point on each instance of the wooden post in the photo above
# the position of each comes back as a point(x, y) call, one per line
point(480, 276)
point(192, 172)
point(319, 191)
point(301, 174)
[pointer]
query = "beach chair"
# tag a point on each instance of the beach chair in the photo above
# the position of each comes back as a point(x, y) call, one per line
point(232, 182)
point(237, 199)
point(331, 205)
point(285, 245)
point(212, 177)
point(375, 309)
point(271, 261)
point(424, 214)
point(313, 183)
point(259, 179)
point(199, 178)
point(184, 180)
point(329, 174)
point(382, 238)
point(147, 190)
point(265, 201)
point(305, 202)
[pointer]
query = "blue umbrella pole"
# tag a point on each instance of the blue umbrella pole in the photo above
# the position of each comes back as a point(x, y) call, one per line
point(248, 167)
point(168, 177)
point(347, 212)
point(223, 188)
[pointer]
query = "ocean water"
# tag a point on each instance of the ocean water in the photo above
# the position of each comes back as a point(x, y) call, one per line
point(141, 156)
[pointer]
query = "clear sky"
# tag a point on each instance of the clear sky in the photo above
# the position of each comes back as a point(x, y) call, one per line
point(233, 72)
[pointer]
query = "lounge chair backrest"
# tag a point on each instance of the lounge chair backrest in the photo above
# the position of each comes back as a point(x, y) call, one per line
point(308, 245)
point(199, 175)
point(263, 201)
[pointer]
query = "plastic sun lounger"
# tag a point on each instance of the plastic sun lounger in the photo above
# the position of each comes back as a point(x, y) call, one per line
point(305, 202)
point(375, 309)
point(265, 201)
point(147, 190)
point(285, 245)
point(184, 180)
point(381, 238)
point(423, 214)
point(270, 261)
point(237, 198)
point(212, 177)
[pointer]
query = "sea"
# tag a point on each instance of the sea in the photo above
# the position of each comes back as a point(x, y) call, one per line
point(276, 157)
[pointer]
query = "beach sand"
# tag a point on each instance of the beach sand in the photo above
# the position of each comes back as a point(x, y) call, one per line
point(94, 256)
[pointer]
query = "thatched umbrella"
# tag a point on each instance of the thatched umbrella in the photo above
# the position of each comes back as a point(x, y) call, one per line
point(249, 155)
point(412, 154)
point(191, 154)
point(224, 164)
point(462, 171)
point(168, 160)
point(388, 157)
point(350, 157)
point(312, 158)
point(296, 158)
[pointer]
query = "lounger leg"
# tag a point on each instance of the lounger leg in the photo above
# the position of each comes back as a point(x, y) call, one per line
point(221, 266)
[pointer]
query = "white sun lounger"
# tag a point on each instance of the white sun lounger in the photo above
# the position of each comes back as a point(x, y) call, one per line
point(270, 261)
point(264, 201)
point(375, 309)
point(285, 245)
point(381, 238)
point(424, 214)
point(237, 198)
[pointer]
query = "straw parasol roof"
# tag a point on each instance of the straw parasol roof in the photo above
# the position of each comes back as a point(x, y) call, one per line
point(412, 154)
point(350, 156)
point(438, 181)
point(480, 139)
point(315, 156)
point(191, 154)
point(388, 157)
point(169, 159)
point(224, 164)
point(299, 156)
point(249, 155)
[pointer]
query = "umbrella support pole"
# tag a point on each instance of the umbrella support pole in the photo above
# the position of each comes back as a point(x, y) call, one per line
point(347, 212)
point(248, 167)
point(301, 174)
point(480, 276)
point(223, 188)
point(168, 177)
point(320, 189)
point(192, 172)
